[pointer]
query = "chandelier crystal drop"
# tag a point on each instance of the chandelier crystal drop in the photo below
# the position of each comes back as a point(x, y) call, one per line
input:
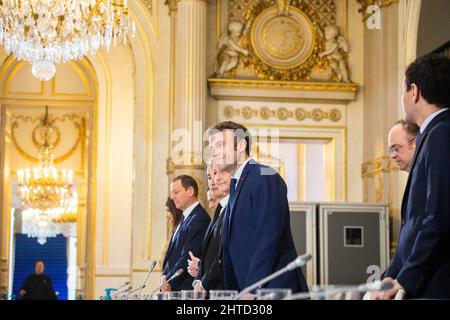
point(57, 31)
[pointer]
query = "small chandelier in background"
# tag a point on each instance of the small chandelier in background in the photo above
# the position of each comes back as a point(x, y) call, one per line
point(51, 222)
point(45, 191)
point(47, 32)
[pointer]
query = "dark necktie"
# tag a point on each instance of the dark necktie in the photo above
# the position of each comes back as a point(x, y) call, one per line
point(179, 227)
point(226, 218)
point(217, 212)
point(232, 189)
point(418, 136)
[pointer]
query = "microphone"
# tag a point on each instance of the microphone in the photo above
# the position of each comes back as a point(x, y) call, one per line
point(298, 262)
point(125, 284)
point(139, 288)
point(373, 286)
point(123, 291)
point(176, 274)
point(150, 269)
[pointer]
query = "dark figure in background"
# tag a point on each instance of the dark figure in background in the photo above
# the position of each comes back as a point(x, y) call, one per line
point(38, 286)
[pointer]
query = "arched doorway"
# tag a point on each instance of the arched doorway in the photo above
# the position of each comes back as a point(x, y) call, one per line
point(120, 233)
point(72, 99)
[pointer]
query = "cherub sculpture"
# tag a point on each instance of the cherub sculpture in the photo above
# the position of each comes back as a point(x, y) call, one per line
point(229, 49)
point(335, 46)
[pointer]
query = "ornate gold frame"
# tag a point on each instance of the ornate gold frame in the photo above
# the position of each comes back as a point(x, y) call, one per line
point(295, 73)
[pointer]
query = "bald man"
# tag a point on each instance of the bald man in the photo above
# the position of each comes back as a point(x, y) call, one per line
point(402, 143)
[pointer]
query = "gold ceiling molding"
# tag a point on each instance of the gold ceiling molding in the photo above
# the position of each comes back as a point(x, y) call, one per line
point(366, 3)
point(379, 165)
point(296, 91)
point(285, 85)
point(282, 113)
point(78, 121)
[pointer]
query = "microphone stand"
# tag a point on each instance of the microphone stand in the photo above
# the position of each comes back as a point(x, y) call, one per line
point(176, 274)
point(152, 266)
point(139, 288)
point(376, 286)
point(123, 291)
point(298, 262)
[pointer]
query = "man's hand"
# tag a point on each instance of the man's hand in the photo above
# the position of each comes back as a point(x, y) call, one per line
point(22, 293)
point(166, 287)
point(198, 287)
point(193, 265)
point(248, 296)
point(388, 294)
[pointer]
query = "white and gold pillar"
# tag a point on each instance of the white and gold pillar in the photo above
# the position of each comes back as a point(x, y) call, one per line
point(189, 88)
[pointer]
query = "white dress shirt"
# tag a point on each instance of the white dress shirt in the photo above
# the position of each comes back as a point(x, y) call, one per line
point(186, 214)
point(430, 118)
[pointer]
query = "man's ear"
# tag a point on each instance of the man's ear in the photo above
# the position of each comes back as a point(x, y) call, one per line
point(415, 92)
point(242, 144)
point(191, 191)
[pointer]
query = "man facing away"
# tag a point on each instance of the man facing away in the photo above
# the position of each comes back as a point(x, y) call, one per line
point(421, 263)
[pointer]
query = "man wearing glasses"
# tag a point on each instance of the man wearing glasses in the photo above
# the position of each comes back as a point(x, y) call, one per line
point(402, 143)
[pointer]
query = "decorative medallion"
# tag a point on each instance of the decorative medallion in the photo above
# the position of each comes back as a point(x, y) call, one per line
point(280, 41)
point(284, 43)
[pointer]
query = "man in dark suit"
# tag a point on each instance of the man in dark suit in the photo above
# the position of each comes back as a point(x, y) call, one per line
point(421, 264)
point(188, 236)
point(38, 286)
point(209, 274)
point(256, 237)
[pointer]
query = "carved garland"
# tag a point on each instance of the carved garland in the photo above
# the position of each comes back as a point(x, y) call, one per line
point(80, 126)
point(282, 114)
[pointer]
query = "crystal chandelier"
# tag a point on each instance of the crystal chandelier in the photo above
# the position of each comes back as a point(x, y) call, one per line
point(51, 222)
point(46, 32)
point(45, 191)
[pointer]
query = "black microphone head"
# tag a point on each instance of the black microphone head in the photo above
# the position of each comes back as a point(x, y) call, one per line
point(152, 265)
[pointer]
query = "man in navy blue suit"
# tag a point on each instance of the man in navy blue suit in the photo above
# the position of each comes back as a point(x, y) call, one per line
point(187, 237)
point(256, 235)
point(421, 264)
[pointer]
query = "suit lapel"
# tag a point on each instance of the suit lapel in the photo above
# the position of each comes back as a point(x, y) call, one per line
point(186, 221)
point(421, 142)
point(208, 234)
point(232, 202)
